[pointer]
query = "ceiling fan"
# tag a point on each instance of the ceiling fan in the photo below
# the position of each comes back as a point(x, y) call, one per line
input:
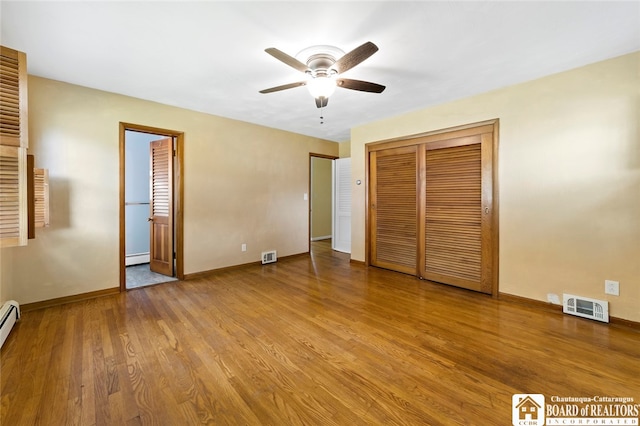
point(323, 70)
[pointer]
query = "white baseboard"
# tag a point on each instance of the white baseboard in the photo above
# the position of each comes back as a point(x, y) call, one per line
point(136, 259)
point(325, 237)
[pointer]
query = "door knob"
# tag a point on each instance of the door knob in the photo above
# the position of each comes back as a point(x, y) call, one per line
point(150, 219)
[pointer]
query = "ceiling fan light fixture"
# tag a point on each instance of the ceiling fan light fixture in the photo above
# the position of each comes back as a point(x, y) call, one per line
point(321, 86)
point(323, 66)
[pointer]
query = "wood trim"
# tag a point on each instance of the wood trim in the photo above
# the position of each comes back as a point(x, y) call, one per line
point(495, 213)
point(357, 262)
point(488, 225)
point(538, 304)
point(201, 274)
point(69, 299)
point(121, 211)
point(178, 212)
point(178, 197)
point(326, 156)
point(456, 142)
point(550, 307)
point(434, 135)
point(620, 322)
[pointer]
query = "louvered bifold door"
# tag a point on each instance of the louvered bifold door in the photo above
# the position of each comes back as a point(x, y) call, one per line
point(161, 250)
point(456, 223)
point(393, 209)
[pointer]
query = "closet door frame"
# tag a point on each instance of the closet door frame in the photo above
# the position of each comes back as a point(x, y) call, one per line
point(490, 191)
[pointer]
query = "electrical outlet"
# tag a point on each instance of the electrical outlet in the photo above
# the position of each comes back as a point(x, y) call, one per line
point(612, 287)
point(244, 247)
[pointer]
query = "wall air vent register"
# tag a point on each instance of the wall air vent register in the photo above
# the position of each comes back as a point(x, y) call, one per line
point(585, 307)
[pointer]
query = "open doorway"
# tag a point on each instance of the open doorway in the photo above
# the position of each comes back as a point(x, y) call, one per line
point(320, 200)
point(329, 203)
point(150, 206)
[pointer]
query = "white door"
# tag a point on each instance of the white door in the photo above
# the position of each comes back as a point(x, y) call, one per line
point(341, 239)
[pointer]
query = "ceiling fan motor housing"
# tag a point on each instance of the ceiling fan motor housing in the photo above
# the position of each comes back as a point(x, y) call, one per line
point(320, 65)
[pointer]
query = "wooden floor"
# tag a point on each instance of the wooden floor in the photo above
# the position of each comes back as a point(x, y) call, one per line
point(308, 340)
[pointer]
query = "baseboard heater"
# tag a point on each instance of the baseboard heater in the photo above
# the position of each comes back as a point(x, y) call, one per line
point(585, 307)
point(9, 315)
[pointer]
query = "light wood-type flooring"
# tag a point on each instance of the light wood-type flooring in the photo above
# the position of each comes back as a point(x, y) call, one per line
point(309, 340)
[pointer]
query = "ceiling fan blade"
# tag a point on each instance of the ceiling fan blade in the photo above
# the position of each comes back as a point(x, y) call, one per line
point(322, 101)
point(363, 86)
point(284, 87)
point(356, 56)
point(289, 60)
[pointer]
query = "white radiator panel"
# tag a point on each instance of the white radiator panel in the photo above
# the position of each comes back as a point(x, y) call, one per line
point(9, 315)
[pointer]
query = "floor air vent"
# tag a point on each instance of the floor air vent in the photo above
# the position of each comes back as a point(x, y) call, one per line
point(584, 307)
point(269, 257)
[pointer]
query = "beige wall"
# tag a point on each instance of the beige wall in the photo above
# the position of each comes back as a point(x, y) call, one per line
point(569, 179)
point(243, 183)
point(345, 149)
point(321, 203)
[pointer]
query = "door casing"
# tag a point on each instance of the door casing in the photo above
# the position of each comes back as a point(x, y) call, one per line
point(178, 198)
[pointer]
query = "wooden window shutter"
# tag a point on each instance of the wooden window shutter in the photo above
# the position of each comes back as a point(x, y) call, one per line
point(13, 148)
point(13, 196)
point(38, 192)
point(13, 98)
point(41, 197)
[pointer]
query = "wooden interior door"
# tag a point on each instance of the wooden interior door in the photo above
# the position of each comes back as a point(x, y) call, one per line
point(393, 184)
point(457, 212)
point(161, 207)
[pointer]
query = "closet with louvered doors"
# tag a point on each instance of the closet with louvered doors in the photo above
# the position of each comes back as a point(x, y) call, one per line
point(432, 206)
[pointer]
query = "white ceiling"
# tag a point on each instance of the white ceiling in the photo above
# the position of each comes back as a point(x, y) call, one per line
point(209, 56)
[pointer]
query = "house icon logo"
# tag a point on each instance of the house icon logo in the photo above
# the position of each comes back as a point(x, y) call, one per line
point(527, 409)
